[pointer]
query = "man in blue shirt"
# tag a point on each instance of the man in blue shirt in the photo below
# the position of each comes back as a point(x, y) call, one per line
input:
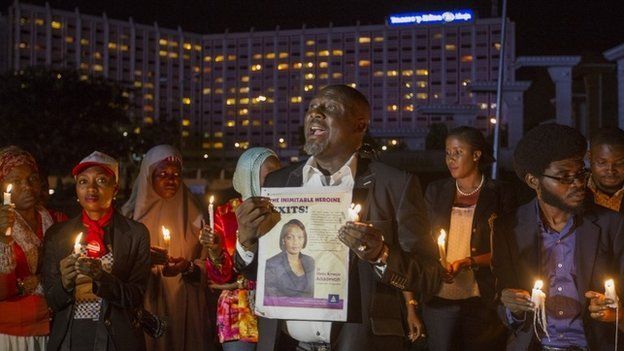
point(571, 245)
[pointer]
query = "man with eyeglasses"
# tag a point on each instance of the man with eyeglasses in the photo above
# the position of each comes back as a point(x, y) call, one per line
point(606, 158)
point(559, 238)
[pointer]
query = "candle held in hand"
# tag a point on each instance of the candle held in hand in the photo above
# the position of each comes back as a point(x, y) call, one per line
point(442, 247)
point(610, 292)
point(166, 237)
point(211, 211)
point(354, 212)
point(7, 202)
point(78, 244)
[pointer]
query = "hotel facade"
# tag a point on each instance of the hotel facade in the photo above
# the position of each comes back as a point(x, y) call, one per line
point(231, 91)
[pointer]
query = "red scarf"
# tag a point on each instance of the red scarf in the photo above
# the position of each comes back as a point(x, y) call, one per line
point(95, 233)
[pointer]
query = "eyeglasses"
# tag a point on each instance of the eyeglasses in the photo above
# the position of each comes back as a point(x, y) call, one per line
point(569, 179)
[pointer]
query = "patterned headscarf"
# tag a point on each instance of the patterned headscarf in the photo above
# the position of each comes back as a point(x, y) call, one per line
point(246, 178)
point(11, 157)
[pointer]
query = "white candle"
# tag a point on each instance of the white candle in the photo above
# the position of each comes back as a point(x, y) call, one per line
point(78, 244)
point(442, 247)
point(538, 297)
point(354, 212)
point(610, 292)
point(7, 202)
point(211, 211)
point(166, 237)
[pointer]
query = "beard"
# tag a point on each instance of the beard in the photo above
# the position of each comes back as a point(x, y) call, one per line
point(315, 147)
point(555, 201)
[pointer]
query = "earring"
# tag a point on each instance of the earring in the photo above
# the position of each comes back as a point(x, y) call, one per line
point(77, 200)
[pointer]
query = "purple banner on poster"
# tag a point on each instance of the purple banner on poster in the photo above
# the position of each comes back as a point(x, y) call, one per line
point(303, 302)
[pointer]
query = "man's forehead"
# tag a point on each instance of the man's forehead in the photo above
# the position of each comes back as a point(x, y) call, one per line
point(330, 94)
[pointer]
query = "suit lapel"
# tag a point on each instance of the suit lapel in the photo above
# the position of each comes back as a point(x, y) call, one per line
point(447, 193)
point(295, 178)
point(526, 236)
point(587, 239)
point(487, 199)
point(121, 245)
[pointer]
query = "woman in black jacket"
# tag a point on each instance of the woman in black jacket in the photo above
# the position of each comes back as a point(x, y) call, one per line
point(463, 316)
point(96, 267)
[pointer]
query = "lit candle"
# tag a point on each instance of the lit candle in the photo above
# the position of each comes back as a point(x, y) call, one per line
point(354, 212)
point(211, 211)
point(166, 236)
point(78, 244)
point(610, 292)
point(7, 202)
point(442, 247)
point(538, 297)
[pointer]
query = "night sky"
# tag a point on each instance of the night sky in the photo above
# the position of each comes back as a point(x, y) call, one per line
point(543, 26)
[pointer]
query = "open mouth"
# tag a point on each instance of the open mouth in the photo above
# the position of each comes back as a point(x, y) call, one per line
point(316, 131)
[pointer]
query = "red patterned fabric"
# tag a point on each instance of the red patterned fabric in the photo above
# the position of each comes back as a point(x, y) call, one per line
point(95, 233)
point(11, 157)
point(226, 224)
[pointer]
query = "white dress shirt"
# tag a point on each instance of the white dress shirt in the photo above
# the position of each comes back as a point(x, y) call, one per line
point(310, 331)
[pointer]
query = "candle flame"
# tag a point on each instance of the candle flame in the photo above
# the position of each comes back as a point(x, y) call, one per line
point(165, 232)
point(9, 188)
point(442, 237)
point(609, 283)
point(78, 239)
point(211, 199)
point(538, 284)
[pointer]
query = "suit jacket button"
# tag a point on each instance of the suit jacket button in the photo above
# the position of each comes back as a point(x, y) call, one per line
point(474, 230)
point(107, 322)
point(473, 249)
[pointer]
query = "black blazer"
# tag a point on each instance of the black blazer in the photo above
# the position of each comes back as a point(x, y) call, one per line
point(392, 201)
point(598, 255)
point(495, 199)
point(278, 282)
point(122, 290)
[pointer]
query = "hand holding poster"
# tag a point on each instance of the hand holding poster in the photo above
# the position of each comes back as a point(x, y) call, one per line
point(303, 268)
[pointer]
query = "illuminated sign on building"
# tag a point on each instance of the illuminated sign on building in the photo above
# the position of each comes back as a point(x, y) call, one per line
point(432, 17)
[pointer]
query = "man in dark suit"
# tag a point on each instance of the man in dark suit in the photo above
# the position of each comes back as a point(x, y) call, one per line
point(606, 158)
point(380, 267)
point(571, 247)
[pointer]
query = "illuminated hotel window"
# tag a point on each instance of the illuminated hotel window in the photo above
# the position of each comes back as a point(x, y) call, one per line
point(196, 69)
point(148, 120)
point(187, 46)
point(218, 134)
point(297, 65)
point(84, 77)
point(364, 40)
point(231, 57)
point(421, 84)
point(98, 68)
point(162, 53)
point(408, 85)
point(337, 52)
point(282, 66)
point(295, 99)
point(112, 46)
point(392, 108)
point(219, 58)
point(323, 76)
point(256, 67)
point(124, 48)
point(186, 122)
point(421, 96)
point(230, 101)
point(408, 108)
point(243, 112)
point(497, 46)
point(197, 47)
point(245, 79)
point(69, 40)
point(39, 22)
point(392, 73)
point(352, 85)
point(148, 97)
point(84, 41)
point(231, 90)
point(257, 123)
point(310, 53)
point(378, 39)
point(364, 63)
point(186, 100)
point(148, 85)
point(185, 133)
point(270, 55)
point(378, 74)
point(243, 101)
point(466, 58)
point(173, 43)
point(336, 75)
point(466, 82)
point(56, 25)
point(219, 80)
point(148, 108)
point(323, 53)
point(309, 76)
point(97, 55)
point(206, 145)
point(207, 58)
point(409, 96)
point(493, 105)
point(283, 55)
point(308, 87)
point(243, 90)
point(218, 91)
point(422, 72)
point(450, 47)
point(173, 54)
point(310, 42)
point(245, 122)
point(23, 45)
point(323, 64)
point(138, 84)
point(162, 41)
point(257, 56)
point(138, 72)
point(407, 73)
point(230, 124)
point(84, 65)
point(437, 36)
point(218, 145)
point(310, 64)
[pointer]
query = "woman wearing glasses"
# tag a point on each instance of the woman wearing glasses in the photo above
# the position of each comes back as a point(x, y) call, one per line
point(463, 315)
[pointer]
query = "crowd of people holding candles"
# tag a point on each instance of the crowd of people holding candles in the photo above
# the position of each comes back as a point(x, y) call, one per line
point(462, 265)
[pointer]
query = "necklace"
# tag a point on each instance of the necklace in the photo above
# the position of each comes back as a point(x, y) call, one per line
point(472, 192)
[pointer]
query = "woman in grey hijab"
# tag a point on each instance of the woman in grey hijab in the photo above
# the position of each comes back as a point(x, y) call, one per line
point(176, 290)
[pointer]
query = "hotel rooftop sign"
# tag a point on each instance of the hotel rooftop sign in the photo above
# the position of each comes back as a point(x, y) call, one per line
point(439, 17)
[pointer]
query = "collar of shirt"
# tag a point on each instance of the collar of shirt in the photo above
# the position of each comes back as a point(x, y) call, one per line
point(548, 232)
point(344, 176)
point(612, 202)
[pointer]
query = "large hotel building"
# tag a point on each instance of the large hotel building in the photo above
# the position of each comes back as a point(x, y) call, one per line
point(230, 91)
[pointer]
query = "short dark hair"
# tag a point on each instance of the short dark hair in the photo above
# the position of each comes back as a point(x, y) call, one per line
point(477, 142)
point(293, 223)
point(607, 136)
point(544, 144)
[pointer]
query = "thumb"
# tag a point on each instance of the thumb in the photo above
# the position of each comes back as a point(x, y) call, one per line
point(592, 294)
